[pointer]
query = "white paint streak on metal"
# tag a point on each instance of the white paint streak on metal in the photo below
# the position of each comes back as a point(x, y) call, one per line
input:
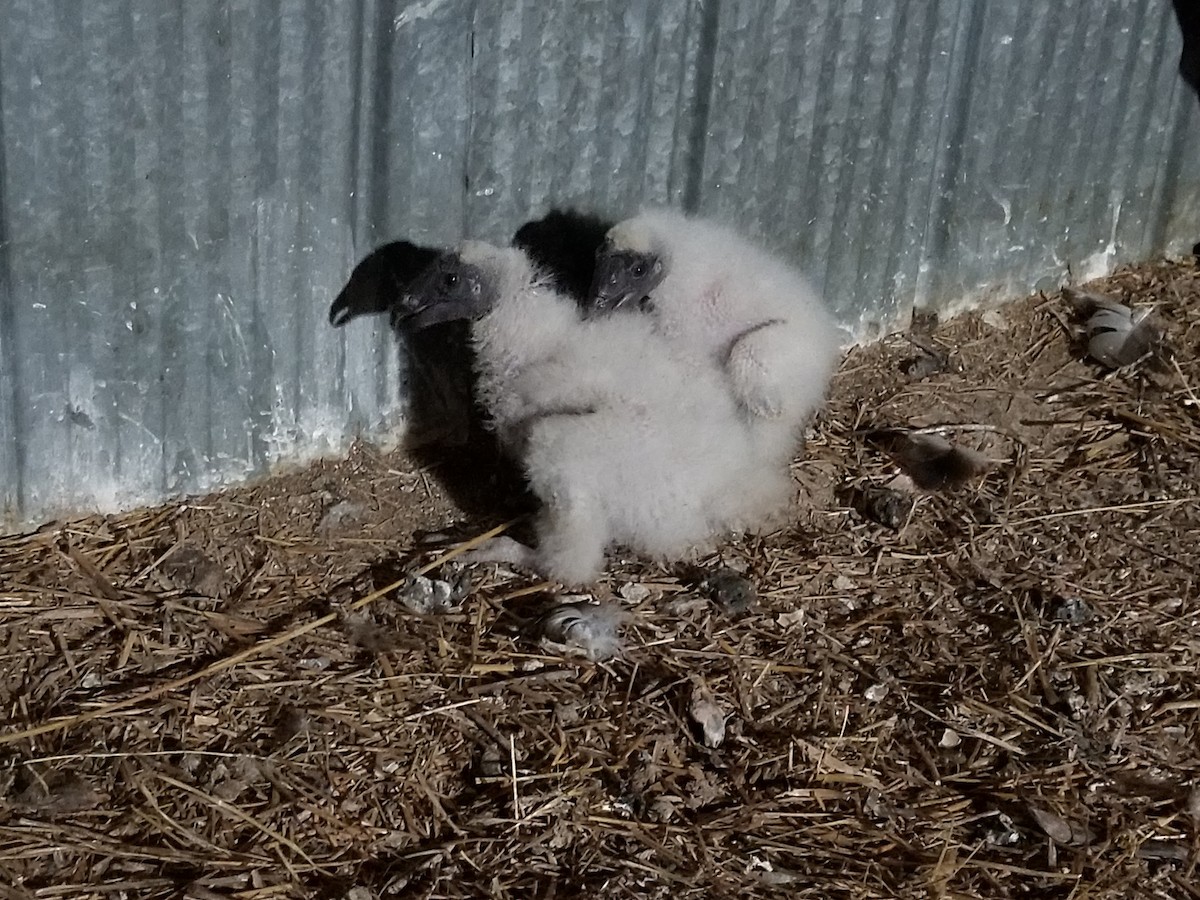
point(416, 12)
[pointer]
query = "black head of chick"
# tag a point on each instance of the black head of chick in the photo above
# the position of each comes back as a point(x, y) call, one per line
point(626, 275)
point(449, 289)
point(378, 279)
point(563, 245)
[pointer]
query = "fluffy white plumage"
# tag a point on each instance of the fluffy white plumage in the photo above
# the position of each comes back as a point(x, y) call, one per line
point(724, 300)
point(621, 440)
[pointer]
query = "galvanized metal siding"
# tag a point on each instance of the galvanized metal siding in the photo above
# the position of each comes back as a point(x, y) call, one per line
point(934, 153)
point(827, 130)
point(185, 187)
point(587, 104)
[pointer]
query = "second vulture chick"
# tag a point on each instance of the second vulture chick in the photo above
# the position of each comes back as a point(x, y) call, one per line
point(723, 300)
point(621, 441)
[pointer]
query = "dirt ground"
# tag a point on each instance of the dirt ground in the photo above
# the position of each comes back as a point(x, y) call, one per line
point(990, 693)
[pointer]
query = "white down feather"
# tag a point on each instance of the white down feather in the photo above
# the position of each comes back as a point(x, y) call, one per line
point(622, 439)
point(731, 303)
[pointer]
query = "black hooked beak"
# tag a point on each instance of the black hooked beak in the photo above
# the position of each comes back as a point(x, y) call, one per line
point(414, 314)
point(409, 311)
point(610, 290)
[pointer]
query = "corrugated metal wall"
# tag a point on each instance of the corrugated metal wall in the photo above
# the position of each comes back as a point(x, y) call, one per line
point(184, 188)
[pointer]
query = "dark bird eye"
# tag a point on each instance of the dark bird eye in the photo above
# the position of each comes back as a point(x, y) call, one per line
point(450, 280)
point(639, 270)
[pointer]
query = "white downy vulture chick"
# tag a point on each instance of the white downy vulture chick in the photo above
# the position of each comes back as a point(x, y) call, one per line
point(721, 299)
point(621, 441)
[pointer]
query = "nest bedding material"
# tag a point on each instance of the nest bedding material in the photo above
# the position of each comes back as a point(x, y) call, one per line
point(991, 694)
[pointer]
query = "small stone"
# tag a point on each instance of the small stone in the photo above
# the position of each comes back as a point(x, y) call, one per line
point(493, 762)
point(994, 318)
point(708, 717)
point(711, 720)
point(188, 568)
point(789, 619)
point(732, 592)
point(1003, 833)
point(1070, 611)
point(924, 366)
point(567, 713)
point(884, 505)
point(341, 514)
point(634, 592)
point(427, 596)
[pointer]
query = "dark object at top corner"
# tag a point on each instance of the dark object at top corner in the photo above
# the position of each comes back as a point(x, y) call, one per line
point(1188, 14)
point(378, 279)
point(564, 243)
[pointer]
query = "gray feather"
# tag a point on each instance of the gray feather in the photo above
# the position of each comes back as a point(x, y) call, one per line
point(930, 460)
point(1120, 337)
